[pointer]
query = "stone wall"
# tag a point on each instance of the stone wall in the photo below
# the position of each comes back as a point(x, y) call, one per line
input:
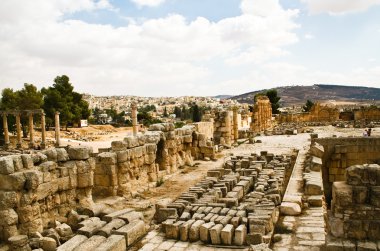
point(356, 203)
point(39, 188)
point(223, 128)
point(137, 160)
point(340, 153)
point(318, 113)
point(368, 113)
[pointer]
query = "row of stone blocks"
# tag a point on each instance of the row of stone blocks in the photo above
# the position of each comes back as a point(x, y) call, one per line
point(228, 223)
point(115, 232)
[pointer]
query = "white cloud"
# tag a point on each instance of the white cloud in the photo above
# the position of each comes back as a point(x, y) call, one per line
point(149, 3)
point(337, 7)
point(309, 36)
point(164, 56)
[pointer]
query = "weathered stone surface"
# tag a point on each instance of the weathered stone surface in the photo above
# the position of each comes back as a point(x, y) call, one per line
point(240, 235)
point(6, 165)
point(227, 234)
point(132, 232)
point(215, 232)
point(91, 243)
point(48, 244)
point(316, 164)
point(79, 152)
point(204, 232)
point(64, 230)
point(112, 225)
point(172, 230)
point(114, 215)
point(184, 230)
point(131, 216)
point(164, 213)
point(290, 208)
point(194, 230)
point(72, 243)
point(113, 243)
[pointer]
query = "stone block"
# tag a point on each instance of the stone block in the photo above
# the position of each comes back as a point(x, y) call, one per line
point(12, 182)
point(79, 152)
point(316, 164)
point(164, 213)
point(114, 215)
point(204, 232)
point(48, 244)
point(27, 161)
point(64, 230)
point(184, 230)
point(375, 196)
point(131, 216)
point(254, 238)
point(290, 208)
point(215, 232)
point(317, 150)
point(72, 243)
point(227, 234)
point(91, 243)
point(8, 199)
point(240, 235)
point(91, 228)
point(132, 232)
point(194, 230)
point(6, 165)
point(112, 225)
point(366, 246)
point(342, 194)
point(172, 230)
point(9, 217)
point(113, 243)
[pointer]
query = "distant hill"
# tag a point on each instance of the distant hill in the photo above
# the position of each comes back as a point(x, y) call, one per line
point(292, 95)
point(223, 96)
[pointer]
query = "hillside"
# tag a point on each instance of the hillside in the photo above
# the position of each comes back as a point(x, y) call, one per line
point(292, 95)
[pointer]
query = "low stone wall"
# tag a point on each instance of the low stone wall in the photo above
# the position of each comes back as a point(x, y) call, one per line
point(340, 153)
point(137, 160)
point(356, 203)
point(40, 188)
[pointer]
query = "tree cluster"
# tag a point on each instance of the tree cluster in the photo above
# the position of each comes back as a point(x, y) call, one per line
point(59, 97)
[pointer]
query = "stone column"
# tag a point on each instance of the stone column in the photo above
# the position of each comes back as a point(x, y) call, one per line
point(6, 133)
point(57, 130)
point(43, 132)
point(31, 136)
point(228, 128)
point(134, 119)
point(235, 123)
point(18, 128)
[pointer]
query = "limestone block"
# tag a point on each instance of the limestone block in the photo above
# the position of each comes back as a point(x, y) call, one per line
point(64, 230)
point(17, 162)
point(71, 244)
point(336, 226)
point(172, 230)
point(62, 154)
point(12, 182)
point(85, 179)
point(114, 215)
point(91, 228)
point(131, 216)
point(316, 164)
point(227, 234)
point(112, 225)
point(366, 246)
point(91, 243)
point(8, 199)
point(342, 194)
point(8, 217)
point(215, 232)
point(27, 161)
point(131, 141)
point(254, 238)
point(6, 165)
point(240, 235)
point(28, 213)
point(79, 152)
point(185, 216)
point(357, 175)
point(184, 230)
point(334, 245)
point(113, 243)
point(313, 187)
point(32, 179)
point(48, 244)
point(317, 150)
point(359, 194)
point(194, 230)
point(19, 242)
point(163, 213)
point(51, 154)
point(290, 208)
point(132, 232)
point(204, 232)
point(48, 166)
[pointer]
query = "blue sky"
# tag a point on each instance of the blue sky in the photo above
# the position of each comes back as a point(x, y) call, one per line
point(189, 47)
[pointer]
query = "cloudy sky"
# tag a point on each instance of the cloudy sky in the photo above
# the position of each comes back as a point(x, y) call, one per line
point(189, 47)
